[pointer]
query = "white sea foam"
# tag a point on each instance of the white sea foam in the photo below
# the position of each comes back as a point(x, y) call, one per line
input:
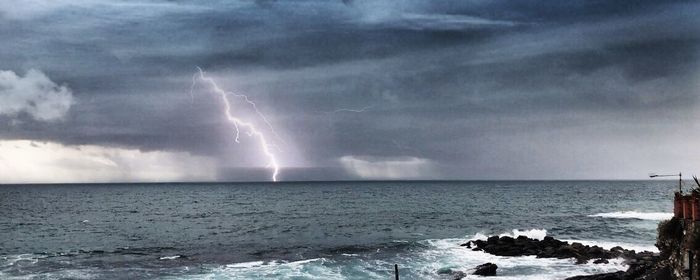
point(421, 263)
point(446, 255)
point(609, 244)
point(654, 216)
point(12, 260)
point(245, 264)
point(303, 269)
point(538, 234)
point(78, 274)
point(541, 233)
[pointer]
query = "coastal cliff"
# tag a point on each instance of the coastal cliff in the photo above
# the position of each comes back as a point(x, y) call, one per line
point(678, 241)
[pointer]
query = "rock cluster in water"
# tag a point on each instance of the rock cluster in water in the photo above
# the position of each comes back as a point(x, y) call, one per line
point(642, 265)
point(548, 248)
point(487, 269)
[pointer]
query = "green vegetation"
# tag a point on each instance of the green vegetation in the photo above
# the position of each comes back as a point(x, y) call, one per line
point(670, 235)
point(670, 230)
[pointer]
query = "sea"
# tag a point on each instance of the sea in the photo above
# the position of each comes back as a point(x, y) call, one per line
point(316, 230)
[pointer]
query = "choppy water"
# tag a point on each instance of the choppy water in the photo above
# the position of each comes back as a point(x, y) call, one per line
point(321, 230)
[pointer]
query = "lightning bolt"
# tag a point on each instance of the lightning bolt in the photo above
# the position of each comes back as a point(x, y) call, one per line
point(353, 110)
point(250, 129)
point(349, 110)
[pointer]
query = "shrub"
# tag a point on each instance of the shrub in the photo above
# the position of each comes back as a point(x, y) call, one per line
point(670, 234)
point(670, 230)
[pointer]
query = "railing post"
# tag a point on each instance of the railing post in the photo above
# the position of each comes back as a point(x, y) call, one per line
point(396, 271)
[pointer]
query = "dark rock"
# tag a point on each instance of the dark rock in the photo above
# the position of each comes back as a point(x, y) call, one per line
point(453, 274)
point(549, 248)
point(581, 260)
point(492, 240)
point(506, 240)
point(458, 275)
point(642, 265)
point(617, 248)
point(487, 269)
point(620, 275)
point(657, 271)
point(597, 252)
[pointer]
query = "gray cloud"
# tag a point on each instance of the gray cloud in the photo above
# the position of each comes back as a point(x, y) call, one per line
point(388, 168)
point(35, 95)
point(481, 89)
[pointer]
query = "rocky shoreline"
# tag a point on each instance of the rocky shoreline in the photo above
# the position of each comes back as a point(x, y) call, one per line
point(642, 265)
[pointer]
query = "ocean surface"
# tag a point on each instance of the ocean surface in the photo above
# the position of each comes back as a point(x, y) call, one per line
point(319, 230)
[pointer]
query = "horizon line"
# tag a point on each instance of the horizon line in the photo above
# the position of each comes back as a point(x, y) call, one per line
point(337, 181)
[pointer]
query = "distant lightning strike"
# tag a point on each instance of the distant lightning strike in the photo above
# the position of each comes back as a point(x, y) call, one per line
point(353, 110)
point(252, 130)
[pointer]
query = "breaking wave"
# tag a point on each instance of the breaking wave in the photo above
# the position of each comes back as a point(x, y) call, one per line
point(652, 216)
point(418, 262)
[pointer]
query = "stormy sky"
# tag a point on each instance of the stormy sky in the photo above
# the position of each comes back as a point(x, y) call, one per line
point(104, 91)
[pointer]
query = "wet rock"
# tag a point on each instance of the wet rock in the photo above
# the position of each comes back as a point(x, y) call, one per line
point(546, 248)
point(620, 275)
point(458, 275)
point(493, 240)
point(640, 264)
point(487, 269)
point(451, 274)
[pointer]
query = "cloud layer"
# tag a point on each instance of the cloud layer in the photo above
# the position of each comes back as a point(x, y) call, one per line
point(24, 161)
point(388, 168)
point(499, 89)
point(35, 95)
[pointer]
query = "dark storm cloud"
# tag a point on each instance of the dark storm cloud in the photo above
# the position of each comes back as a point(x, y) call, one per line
point(480, 89)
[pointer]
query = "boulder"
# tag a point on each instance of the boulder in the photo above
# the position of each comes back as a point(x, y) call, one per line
point(458, 275)
point(620, 275)
point(452, 274)
point(492, 240)
point(547, 248)
point(641, 265)
point(487, 269)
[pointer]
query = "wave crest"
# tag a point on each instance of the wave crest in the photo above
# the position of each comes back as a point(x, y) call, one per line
point(652, 216)
point(538, 234)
